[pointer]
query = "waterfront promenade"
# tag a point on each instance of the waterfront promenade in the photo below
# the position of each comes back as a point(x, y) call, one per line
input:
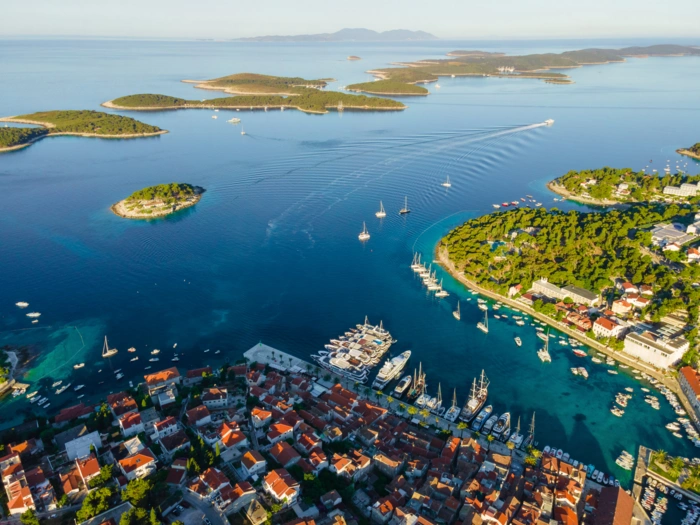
point(664, 377)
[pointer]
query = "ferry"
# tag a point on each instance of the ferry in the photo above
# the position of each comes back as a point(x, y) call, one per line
point(502, 426)
point(481, 418)
point(477, 399)
point(391, 368)
point(402, 387)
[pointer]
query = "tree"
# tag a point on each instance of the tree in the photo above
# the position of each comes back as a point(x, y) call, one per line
point(424, 414)
point(461, 426)
point(402, 407)
point(510, 445)
point(489, 440)
point(154, 518)
point(136, 492)
point(217, 450)
point(96, 502)
point(135, 516)
point(389, 400)
point(412, 410)
point(29, 518)
point(661, 456)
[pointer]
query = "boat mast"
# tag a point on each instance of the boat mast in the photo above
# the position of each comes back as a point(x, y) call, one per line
point(105, 348)
point(531, 437)
point(439, 394)
point(454, 399)
point(517, 428)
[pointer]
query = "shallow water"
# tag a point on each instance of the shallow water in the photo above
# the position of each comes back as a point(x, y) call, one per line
point(271, 252)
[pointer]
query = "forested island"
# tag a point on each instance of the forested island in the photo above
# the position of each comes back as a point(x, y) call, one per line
point(589, 250)
point(692, 151)
point(485, 64)
point(158, 201)
point(83, 123)
point(258, 92)
point(607, 186)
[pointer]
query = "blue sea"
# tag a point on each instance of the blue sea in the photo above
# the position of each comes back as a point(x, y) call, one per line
point(271, 252)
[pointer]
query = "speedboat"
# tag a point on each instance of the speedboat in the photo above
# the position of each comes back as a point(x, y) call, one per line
point(502, 425)
point(482, 417)
point(518, 341)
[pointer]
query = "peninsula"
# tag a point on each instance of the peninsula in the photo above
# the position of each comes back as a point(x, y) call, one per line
point(158, 201)
point(616, 267)
point(608, 186)
point(692, 151)
point(81, 123)
point(260, 92)
point(485, 64)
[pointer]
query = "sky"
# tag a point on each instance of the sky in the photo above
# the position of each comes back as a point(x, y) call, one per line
point(448, 19)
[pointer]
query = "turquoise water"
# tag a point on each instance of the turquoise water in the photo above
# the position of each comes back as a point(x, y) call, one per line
point(271, 252)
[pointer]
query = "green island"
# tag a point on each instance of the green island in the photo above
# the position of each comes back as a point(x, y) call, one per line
point(158, 201)
point(83, 123)
point(485, 64)
point(388, 87)
point(509, 250)
point(260, 91)
point(607, 186)
point(692, 151)
point(675, 470)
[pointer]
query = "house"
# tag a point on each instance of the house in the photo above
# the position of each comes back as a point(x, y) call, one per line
point(209, 484)
point(693, 254)
point(689, 381)
point(514, 290)
point(260, 417)
point(70, 482)
point(193, 377)
point(353, 466)
point(77, 441)
point(628, 288)
point(389, 466)
point(121, 403)
point(672, 247)
point(660, 351)
point(30, 447)
point(580, 321)
point(581, 295)
point(66, 415)
point(162, 380)
point(615, 507)
point(281, 486)
point(256, 513)
point(138, 465)
point(279, 432)
point(331, 499)
point(237, 497)
point(284, 454)
point(621, 307)
point(198, 416)
point(174, 442)
point(87, 468)
point(130, 424)
point(544, 287)
point(604, 327)
point(646, 290)
point(253, 464)
point(177, 473)
point(215, 398)
point(306, 442)
point(166, 427)
point(230, 436)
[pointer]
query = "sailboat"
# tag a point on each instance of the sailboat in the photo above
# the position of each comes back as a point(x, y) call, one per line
point(441, 291)
point(381, 213)
point(543, 353)
point(484, 327)
point(242, 131)
point(457, 313)
point(530, 439)
point(447, 183)
point(404, 210)
point(453, 412)
point(364, 235)
point(437, 404)
point(107, 351)
point(516, 438)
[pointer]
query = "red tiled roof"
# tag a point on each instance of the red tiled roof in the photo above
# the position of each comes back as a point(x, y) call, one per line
point(71, 413)
point(197, 413)
point(214, 478)
point(198, 372)
point(164, 375)
point(167, 422)
point(283, 453)
point(137, 460)
point(691, 376)
point(88, 466)
point(278, 429)
point(605, 323)
point(129, 420)
point(251, 458)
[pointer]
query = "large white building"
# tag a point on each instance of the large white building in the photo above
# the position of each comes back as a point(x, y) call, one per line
point(661, 352)
point(544, 287)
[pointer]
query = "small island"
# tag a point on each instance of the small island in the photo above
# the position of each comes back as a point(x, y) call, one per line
point(158, 201)
point(608, 186)
point(261, 92)
point(692, 151)
point(476, 63)
point(388, 87)
point(81, 123)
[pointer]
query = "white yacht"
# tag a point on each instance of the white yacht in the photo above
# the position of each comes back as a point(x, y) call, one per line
point(78, 366)
point(447, 183)
point(391, 368)
point(21, 304)
point(518, 341)
point(453, 412)
point(364, 235)
point(234, 120)
point(484, 327)
point(155, 351)
point(381, 213)
point(33, 314)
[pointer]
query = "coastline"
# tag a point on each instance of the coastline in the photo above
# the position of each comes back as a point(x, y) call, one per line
point(561, 190)
point(442, 259)
point(688, 153)
point(120, 210)
point(111, 105)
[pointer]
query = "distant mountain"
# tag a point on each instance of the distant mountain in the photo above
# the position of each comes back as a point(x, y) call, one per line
point(347, 35)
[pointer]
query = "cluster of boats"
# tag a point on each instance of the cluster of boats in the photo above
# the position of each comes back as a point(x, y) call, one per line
point(355, 353)
point(625, 460)
point(591, 472)
point(32, 315)
point(527, 199)
point(580, 371)
point(657, 506)
point(428, 276)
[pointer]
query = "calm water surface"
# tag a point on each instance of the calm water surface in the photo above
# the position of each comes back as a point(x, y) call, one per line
point(271, 252)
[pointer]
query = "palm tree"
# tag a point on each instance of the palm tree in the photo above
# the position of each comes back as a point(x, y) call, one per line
point(489, 440)
point(389, 400)
point(367, 392)
point(402, 407)
point(424, 414)
point(661, 456)
point(677, 464)
point(379, 394)
point(461, 426)
point(412, 410)
point(510, 445)
point(476, 435)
